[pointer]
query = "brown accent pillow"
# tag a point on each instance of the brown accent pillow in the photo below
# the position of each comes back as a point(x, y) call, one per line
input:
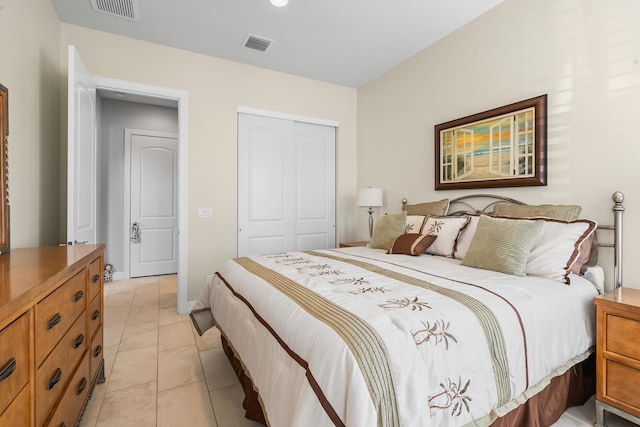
point(438, 208)
point(387, 228)
point(564, 212)
point(412, 244)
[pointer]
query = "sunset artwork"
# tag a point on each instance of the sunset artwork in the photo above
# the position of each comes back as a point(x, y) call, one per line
point(493, 148)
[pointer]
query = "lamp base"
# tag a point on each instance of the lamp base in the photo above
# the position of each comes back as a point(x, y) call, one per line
point(370, 222)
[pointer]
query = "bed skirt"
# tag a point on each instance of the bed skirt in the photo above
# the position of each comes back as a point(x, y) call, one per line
point(572, 388)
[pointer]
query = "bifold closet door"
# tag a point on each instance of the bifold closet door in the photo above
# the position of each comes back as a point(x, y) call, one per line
point(286, 185)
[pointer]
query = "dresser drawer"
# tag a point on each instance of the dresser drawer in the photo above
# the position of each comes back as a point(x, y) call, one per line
point(14, 360)
point(622, 381)
point(95, 315)
point(95, 277)
point(17, 414)
point(96, 352)
point(72, 402)
point(622, 336)
point(57, 312)
point(55, 372)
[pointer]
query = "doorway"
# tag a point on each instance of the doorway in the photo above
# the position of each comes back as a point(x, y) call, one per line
point(136, 94)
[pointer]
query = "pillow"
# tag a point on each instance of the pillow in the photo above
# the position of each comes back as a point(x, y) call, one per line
point(561, 248)
point(593, 252)
point(414, 223)
point(564, 212)
point(447, 229)
point(411, 244)
point(466, 236)
point(387, 229)
point(502, 244)
point(438, 208)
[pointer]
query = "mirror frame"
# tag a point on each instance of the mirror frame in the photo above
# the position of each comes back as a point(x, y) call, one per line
point(4, 170)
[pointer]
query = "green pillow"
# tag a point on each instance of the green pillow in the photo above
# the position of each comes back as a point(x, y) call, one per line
point(387, 229)
point(564, 212)
point(502, 244)
point(438, 208)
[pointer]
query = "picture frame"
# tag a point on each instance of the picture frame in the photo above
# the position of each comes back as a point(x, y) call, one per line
point(502, 147)
point(4, 173)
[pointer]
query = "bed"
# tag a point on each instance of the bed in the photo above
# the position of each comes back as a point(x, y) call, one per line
point(456, 318)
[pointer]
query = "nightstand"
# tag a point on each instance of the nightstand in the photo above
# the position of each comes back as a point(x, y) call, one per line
point(618, 355)
point(353, 244)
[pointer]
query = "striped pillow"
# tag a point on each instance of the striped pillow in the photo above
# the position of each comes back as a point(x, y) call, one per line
point(412, 244)
point(502, 244)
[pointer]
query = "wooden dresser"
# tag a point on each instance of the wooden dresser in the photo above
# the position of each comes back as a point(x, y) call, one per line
point(618, 355)
point(51, 315)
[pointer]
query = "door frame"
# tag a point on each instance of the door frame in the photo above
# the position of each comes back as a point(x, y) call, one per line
point(183, 112)
point(128, 132)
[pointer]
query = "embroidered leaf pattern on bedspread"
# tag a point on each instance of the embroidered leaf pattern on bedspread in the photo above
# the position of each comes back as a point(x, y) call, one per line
point(327, 273)
point(415, 304)
point(350, 281)
point(436, 333)
point(452, 396)
point(371, 290)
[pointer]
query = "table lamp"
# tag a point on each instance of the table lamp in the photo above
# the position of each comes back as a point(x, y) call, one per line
point(370, 197)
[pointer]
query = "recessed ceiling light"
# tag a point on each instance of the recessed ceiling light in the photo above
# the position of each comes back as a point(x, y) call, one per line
point(279, 3)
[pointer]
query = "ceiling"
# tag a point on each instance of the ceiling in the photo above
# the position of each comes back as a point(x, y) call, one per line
point(346, 42)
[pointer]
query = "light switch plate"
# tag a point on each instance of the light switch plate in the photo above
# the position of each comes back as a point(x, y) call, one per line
point(205, 212)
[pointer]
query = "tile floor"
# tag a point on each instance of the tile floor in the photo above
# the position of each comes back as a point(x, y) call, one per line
point(161, 373)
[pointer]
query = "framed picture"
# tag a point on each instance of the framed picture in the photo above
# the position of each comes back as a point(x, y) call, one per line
point(503, 147)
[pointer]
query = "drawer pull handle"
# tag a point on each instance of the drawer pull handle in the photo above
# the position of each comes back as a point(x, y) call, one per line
point(8, 369)
point(95, 315)
point(54, 380)
point(79, 341)
point(54, 321)
point(77, 297)
point(95, 278)
point(81, 386)
point(97, 351)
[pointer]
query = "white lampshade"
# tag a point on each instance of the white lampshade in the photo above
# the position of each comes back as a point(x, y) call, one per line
point(370, 197)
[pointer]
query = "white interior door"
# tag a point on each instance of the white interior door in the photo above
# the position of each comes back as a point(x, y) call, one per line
point(265, 185)
point(286, 185)
point(315, 182)
point(81, 152)
point(153, 240)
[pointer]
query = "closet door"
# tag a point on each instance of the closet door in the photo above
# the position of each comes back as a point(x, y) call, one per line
point(286, 185)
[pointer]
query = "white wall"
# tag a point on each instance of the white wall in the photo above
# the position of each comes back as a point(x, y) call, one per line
point(116, 116)
point(585, 54)
point(216, 88)
point(30, 69)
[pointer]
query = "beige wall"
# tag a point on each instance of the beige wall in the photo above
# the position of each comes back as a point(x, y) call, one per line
point(215, 89)
point(585, 54)
point(29, 68)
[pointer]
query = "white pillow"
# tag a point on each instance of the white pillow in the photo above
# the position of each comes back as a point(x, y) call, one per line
point(466, 236)
point(557, 248)
point(414, 223)
point(447, 229)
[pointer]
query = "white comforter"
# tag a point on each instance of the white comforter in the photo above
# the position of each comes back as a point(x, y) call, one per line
point(433, 326)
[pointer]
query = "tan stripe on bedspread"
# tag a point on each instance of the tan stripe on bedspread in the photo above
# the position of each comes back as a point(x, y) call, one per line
point(489, 323)
point(363, 341)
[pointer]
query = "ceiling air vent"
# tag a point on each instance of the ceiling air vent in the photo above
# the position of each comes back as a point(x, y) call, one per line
point(258, 44)
point(127, 9)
